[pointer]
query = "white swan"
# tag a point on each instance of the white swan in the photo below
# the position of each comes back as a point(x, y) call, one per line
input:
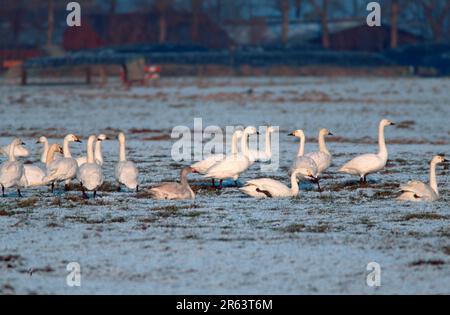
point(98, 155)
point(174, 191)
point(90, 173)
point(418, 191)
point(126, 171)
point(11, 171)
point(269, 188)
point(63, 169)
point(323, 156)
point(265, 155)
point(19, 151)
point(369, 163)
point(233, 165)
point(45, 148)
point(203, 166)
point(33, 176)
point(304, 166)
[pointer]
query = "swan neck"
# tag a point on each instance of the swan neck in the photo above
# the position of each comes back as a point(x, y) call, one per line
point(294, 184)
point(433, 181)
point(322, 146)
point(234, 144)
point(183, 180)
point(50, 156)
point(122, 156)
point(66, 149)
point(301, 148)
point(44, 152)
point(11, 155)
point(98, 151)
point(381, 143)
point(90, 151)
point(244, 144)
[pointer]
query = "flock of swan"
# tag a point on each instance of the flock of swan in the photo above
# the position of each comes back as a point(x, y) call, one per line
point(60, 167)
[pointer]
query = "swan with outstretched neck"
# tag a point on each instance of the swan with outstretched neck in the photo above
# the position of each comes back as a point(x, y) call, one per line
point(98, 155)
point(270, 188)
point(265, 155)
point(418, 191)
point(366, 164)
point(305, 166)
point(322, 158)
point(174, 191)
point(11, 171)
point(233, 165)
point(126, 171)
point(64, 169)
point(90, 173)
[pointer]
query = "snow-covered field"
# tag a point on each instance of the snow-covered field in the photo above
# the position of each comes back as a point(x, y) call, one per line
point(224, 242)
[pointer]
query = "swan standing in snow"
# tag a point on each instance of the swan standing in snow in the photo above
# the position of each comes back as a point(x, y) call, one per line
point(174, 191)
point(126, 171)
point(33, 176)
point(19, 151)
point(90, 173)
point(265, 155)
point(98, 155)
point(366, 164)
point(418, 191)
point(233, 165)
point(322, 158)
point(203, 166)
point(304, 166)
point(63, 169)
point(11, 171)
point(270, 188)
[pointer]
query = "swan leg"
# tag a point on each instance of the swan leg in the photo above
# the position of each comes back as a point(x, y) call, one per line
point(220, 184)
point(18, 193)
point(85, 196)
point(213, 182)
point(95, 194)
point(137, 188)
point(318, 185)
point(365, 179)
point(52, 187)
point(118, 188)
point(66, 187)
point(3, 191)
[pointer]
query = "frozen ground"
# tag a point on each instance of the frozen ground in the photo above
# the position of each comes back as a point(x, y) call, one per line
point(225, 242)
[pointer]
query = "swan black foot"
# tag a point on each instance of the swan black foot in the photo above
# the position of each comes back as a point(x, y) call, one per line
point(19, 193)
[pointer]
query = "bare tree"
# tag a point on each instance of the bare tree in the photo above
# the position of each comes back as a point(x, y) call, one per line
point(394, 23)
point(284, 6)
point(196, 7)
point(162, 7)
point(436, 11)
point(50, 21)
point(321, 10)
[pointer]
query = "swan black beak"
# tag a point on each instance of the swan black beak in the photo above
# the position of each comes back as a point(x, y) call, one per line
point(392, 124)
point(37, 142)
point(78, 140)
point(330, 134)
point(23, 143)
point(291, 134)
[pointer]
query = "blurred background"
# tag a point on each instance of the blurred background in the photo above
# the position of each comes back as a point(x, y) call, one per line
point(143, 39)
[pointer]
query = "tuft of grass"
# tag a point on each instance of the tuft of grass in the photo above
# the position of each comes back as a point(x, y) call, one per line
point(27, 203)
point(423, 216)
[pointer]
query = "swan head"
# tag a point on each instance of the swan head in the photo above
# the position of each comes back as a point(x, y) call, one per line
point(297, 133)
point(238, 133)
point(121, 137)
point(16, 142)
point(102, 137)
point(56, 148)
point(42, 140)
point(386, 122)
point(325, 132)
point(438, 159)
point(72, 138)
point(251, 130)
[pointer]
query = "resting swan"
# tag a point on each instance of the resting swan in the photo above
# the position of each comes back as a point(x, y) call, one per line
point(233, 165)
point(305, 166)
point(11, 171)
point(369, 163)
point(418, 191)
point(98, 155)
point(174, 191)
point(90, 173)
point(63, 169)
point(203, 166)
point(126, 171)
point(269, 188)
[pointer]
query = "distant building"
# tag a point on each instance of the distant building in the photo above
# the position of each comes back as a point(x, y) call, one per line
point(101, 30)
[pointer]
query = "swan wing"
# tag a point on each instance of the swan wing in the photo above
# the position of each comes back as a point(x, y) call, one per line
point(91, 175)
point(229, 167)
point(127, 174)
point(10, 173)
point(170, 191)
point(33, 176)
point(420, 190)
point(270, 186)
point(210, 161)
point(322, 160)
